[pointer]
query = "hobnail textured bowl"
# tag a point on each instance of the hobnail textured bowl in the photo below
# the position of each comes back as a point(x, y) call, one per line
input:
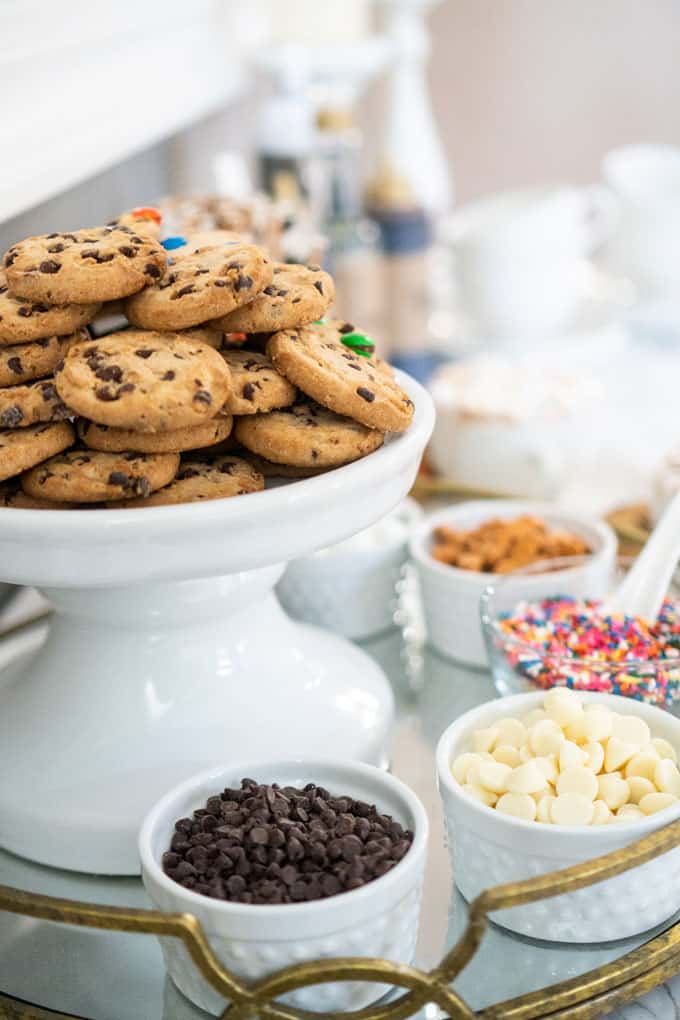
point(351, 587)
point(488, 848)
point(451, 595)
point(380, 919)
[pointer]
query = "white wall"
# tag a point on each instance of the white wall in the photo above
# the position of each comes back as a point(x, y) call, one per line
point(535, 90)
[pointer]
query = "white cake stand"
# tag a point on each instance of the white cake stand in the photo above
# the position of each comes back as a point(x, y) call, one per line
point(169, 653)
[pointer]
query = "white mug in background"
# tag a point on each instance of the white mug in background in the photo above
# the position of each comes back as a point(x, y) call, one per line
point(645, 246)
point(509, 458)
point(520, 256)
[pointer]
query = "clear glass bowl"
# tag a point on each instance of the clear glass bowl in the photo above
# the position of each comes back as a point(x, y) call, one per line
point(518, 666)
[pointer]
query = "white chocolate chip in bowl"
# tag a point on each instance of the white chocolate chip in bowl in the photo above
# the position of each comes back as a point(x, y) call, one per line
point(601, 813)
point(614, 791)
point(594, 752)
point(544, 808)
point(654, 802)
point(571, 754)
point(580, 780)
point(642, 764)
point(628, 811)
point(664, 749)
point(593, 725)
point(527, 778)
point(518, 805)
point(564, 825)
point(667, 777)
point(484, 740)
point(618, 753)
point(632, 730)
point(563, 706)
point(512, 732)
point(493, 776)
point(572, 808)
point(508, 755)
point(639, 787)
point(545, 737)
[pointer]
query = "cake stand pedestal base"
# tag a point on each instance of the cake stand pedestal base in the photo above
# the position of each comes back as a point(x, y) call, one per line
point(138, 687)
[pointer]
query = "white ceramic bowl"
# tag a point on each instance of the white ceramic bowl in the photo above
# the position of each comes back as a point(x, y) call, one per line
point(489, 848)
point(350, 587)
point(378, 920)
point(451, 596)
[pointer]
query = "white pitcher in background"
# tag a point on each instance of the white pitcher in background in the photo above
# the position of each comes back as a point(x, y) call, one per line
point(520, 256)
point(645, 246)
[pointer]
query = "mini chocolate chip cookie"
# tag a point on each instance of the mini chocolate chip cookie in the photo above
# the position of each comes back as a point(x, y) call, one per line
point(101, 437)
point(144, 381)
point(201, 286)
point(296, 296)
point(255, 384)
point(316, 360)
point(209, 239)
point(12, 495)
point(23, 321)
point(89, 476)
point(306, 435)
point(143, 220)
point(22, 448)
point(209, 478)
point(216, 338)
point(100, 264)
point(23, 362)
point(271, 470)
point(21, 406)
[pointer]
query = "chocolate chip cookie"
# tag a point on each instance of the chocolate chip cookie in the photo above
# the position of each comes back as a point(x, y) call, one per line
point(271, 470)
point(296, 296)
point(89, 476)
point(100, 264)
point(12, 495)
point(217, 338)
point(316, 360)
point(143, 220)
point(22, 448)
point(255, 384)
point(23, 362)
point(144, 381)
point(23, 321)
point(21, 406)
point(306, 435)
point(209, 478)
point(101, 437)
point(201, 285)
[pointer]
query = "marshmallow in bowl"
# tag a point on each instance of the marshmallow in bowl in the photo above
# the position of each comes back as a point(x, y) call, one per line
point(567, 763)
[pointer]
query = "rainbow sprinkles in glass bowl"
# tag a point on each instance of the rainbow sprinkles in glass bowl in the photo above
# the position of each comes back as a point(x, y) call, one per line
point(570, 642)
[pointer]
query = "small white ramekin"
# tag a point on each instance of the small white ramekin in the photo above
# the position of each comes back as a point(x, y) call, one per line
point(451, 596)
point(489, 848)
point(380, 919)
point(350, 587)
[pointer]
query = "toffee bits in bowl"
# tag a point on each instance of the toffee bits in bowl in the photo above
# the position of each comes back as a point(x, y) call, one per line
point(271, 844)
point(460, 549)
point(305, 860)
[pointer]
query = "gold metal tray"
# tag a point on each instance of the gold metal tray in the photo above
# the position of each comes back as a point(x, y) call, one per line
point(592, 995)
point(427, 697)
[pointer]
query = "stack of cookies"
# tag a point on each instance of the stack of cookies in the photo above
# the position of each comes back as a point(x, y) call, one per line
point(226, 373)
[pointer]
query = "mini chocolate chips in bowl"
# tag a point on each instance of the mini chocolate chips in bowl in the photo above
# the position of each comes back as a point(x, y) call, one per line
point(307, 860)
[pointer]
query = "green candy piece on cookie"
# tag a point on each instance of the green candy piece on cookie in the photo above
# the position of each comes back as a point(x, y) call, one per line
point(359, 343)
